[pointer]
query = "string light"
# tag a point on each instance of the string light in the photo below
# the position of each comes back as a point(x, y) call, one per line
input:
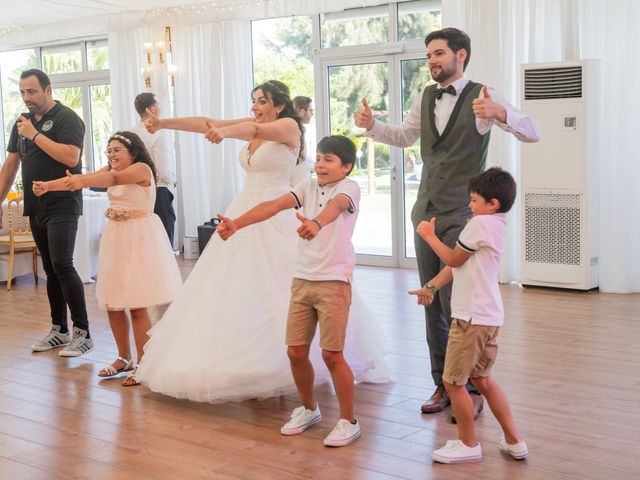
point(228, 6)
point(5, 31)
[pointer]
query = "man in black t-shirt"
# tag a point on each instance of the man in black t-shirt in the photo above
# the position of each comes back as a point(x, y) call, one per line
point(47, 142)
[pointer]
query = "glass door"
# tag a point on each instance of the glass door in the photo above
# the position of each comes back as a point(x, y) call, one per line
point(388, 176)
point(347, 84)
point(414, 76)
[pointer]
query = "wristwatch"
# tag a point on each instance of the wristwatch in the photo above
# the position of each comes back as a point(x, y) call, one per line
point(430, 287)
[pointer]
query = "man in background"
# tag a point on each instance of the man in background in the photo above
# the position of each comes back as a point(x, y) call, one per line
point(159, 148)
point(305, 168)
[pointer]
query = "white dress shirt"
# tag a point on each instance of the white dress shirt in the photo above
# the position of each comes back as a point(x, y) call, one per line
point(406, 134)
point(159, 148)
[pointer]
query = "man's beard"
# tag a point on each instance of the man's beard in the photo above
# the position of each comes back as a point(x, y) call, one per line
point(443, 74)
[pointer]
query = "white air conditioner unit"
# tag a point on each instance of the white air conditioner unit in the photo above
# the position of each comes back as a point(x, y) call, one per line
point(558, 188)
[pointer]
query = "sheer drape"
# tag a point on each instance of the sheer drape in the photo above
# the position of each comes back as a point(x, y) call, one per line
point(214, 80)
point(126, 60)
point(507, 33)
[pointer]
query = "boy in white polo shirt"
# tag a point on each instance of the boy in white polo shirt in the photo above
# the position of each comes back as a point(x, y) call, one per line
point(477, 314)
point(321, 287)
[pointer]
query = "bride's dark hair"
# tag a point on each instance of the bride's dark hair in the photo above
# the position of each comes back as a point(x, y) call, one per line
point(279, 94)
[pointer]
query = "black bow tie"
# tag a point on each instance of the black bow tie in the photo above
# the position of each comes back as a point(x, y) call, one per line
point(439, 91)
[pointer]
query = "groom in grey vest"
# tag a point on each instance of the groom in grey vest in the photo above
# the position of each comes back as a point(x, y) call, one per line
point(453, 120)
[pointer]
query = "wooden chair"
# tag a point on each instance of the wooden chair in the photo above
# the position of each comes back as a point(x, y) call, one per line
point(19, 240)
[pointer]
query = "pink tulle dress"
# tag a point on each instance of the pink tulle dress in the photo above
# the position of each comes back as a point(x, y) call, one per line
point(137, 267)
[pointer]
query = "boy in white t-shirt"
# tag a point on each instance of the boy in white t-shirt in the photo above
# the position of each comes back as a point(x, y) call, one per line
point(321, 287)
point(477, 313)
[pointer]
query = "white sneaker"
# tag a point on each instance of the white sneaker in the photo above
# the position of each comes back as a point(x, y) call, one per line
point(54, 339)
point(79, 344)
point(455, 451)
point(301, 419)
point(343, 434)
point(518, 450)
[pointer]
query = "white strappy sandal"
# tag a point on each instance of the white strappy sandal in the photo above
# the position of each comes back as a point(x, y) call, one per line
point(110, 370)
point(130, 380)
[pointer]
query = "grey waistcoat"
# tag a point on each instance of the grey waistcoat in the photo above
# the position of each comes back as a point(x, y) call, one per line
point(452, 158)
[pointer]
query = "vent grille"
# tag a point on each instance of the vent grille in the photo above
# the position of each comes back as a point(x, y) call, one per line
point(552, 228)
point(547, 83)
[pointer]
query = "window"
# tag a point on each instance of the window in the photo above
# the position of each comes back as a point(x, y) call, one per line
point(62, 59)
point(12, 64)
point(357, 26)
point(282, 51)
point(417, 19)
point(98, 55)
point(79, 73)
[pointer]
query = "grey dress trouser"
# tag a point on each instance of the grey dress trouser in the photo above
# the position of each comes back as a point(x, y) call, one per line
point(438, 314)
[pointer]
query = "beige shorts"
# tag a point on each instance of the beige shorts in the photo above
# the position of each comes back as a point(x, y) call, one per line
point(312, 302)
point(471, 351)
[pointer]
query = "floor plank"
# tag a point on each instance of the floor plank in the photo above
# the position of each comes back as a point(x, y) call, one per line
point(568, 362)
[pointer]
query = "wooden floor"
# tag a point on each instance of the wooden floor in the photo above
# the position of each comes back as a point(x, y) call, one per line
point(569, 363)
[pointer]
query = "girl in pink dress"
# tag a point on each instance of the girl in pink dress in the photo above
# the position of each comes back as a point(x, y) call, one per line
point(137, 267)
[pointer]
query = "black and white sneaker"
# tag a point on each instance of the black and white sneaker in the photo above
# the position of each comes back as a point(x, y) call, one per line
point(79, 345)
point(54, 339)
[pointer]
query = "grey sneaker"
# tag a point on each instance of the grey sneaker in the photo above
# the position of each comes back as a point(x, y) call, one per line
point(79, 345)
point(54, 339)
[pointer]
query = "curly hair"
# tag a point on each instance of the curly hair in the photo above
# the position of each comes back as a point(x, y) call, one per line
point(136, 148)
point(279, 94)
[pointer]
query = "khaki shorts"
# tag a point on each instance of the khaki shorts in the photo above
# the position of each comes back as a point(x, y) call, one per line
point(471, 352)
point(325, 302)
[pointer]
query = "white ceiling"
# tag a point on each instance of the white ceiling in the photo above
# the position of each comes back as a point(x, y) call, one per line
point(21, 13)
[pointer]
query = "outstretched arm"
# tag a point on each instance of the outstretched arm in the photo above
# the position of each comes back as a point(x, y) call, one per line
point(138, 173)
point(153, 123)
point(283, 130)
point(259, 213)
point(451, 257)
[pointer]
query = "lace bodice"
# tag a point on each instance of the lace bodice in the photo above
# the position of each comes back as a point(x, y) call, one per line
point(270, 166)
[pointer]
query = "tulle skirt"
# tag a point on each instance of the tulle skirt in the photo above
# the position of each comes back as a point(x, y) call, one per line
point(137, 267)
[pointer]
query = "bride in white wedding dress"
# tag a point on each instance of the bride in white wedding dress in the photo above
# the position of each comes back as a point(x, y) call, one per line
point(222, 338)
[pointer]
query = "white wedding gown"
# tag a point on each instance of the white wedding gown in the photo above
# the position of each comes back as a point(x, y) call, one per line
point(222, 338)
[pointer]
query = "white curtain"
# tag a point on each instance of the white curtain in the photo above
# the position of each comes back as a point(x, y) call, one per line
point(126, 59)
point(507, 33)
point(214, 80)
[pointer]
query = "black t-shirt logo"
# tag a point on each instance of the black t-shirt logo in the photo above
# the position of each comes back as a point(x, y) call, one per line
point(47, 125)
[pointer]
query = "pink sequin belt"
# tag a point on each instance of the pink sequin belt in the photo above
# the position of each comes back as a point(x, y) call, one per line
point(122, 214)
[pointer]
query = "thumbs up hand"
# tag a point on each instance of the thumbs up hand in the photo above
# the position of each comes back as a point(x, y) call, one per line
point(226, 227)
point(364, 116)
point(308, 229)
point(485, 107)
